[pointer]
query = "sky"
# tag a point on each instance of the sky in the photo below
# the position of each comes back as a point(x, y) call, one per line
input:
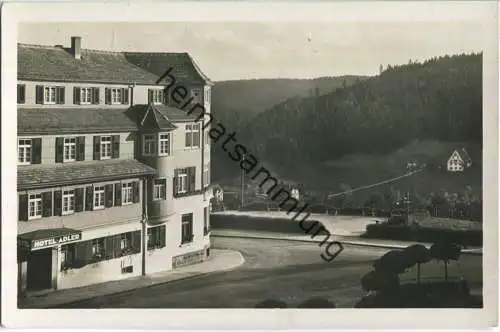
point(243, 50)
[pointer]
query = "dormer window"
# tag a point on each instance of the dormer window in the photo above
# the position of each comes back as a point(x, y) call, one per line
point(85, 96)
point(49, 95)
point(156, 96)
point(116, 96)
point(196, 95)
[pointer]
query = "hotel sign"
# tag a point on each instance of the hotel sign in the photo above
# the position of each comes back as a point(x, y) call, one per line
point(54, 241)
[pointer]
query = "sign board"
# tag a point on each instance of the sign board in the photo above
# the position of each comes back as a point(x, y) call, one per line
point(54, 241)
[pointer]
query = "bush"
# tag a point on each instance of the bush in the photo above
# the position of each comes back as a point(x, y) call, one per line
point(281, 225)
point(424, 234)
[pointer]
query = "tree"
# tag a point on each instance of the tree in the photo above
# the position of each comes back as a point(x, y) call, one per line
point(380, 280)
point(419, 254)
point(395, 261)
point(445, 251)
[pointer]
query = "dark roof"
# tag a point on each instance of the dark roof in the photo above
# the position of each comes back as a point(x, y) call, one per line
point(183, 66)
point(56, 63)
point(174, 114)
point(465, 155)
point(44, 176)
point(62, 120)
point(153, 119)
point(43, 234)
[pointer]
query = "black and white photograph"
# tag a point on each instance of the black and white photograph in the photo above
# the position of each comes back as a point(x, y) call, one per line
point(251, 161)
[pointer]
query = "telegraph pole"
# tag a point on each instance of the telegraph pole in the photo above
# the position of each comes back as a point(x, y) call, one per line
point(411, 166)
point(242, 182)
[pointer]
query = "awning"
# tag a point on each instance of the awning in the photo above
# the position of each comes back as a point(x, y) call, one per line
point(46, 238)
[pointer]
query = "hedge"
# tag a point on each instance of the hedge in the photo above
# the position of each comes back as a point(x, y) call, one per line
point(279, 225)
point(423, 234)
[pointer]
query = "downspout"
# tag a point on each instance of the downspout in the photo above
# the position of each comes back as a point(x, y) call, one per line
point(144, 223)
point(203, 153)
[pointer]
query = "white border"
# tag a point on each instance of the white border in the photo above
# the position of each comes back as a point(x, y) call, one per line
point(249, 11)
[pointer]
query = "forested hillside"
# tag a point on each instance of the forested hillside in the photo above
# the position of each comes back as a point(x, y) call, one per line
point(440, 99)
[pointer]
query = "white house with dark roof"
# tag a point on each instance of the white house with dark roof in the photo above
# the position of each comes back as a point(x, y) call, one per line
point(113, 176)
point(458, 161)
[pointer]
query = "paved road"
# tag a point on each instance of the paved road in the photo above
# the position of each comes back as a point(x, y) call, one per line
point(274, 269)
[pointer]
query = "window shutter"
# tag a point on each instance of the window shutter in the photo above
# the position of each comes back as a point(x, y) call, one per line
point(60, 90)
point(192, 179)
point(135, 189)
point(163, 235)
point(80, 148)
point(21, 93)
point(107, 92)
point(136, 242)
point(37, 151)
point(165, 96)
point(89, 198)
point(125, 96)
point(59, 149)
point(117, 242)
point(96, 95)
point(109, 244)
point(47, 204)
point(57, 202)
point(150, 95)
point(115, 144)
point(176, 174)
point(23, 207)
point(76, 95)
point(39, 94)
point(97, 147)
point(118, 194)
point(108, 195)
point(79, 199)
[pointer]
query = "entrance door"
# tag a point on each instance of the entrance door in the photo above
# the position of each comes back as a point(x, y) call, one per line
point(39, 269)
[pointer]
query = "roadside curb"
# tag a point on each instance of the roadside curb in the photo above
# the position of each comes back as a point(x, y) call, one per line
point(351, 243)
point(131, 289)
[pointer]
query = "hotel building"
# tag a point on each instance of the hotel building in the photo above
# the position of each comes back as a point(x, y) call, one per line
point(113, 177)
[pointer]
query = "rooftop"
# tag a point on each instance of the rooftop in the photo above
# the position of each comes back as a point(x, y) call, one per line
point(44, 176)
point(57, 63)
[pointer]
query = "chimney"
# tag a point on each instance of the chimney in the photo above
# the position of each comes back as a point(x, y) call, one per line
point(76, 47)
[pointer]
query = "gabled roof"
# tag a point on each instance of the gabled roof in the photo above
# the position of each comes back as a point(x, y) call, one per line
point(183, 66)
point(56, 63)
point(462, 152)
point(153, 119)
point(44, 176)
point(174, 114)
point(73, 120)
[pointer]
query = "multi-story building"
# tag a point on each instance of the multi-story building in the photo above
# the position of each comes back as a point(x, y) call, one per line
point(113, 177)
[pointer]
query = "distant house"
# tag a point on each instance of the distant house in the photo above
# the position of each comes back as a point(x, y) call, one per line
point(458, 161)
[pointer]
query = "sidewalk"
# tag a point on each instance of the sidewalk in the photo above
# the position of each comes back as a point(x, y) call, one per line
point(220, 260)
point(348, 240)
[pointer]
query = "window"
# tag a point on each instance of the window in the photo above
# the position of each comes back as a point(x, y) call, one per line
point(21, 93)
point(164, 144)
point(86, 95)
point(156, 237)
point(68, 202)
point(206, 175)
point(116, 96)
point(98, 198)
point(35, 206)
point(182, 181)
point(196, 95)
point(207, 137)
point(149, 145)
point(105, 147)
point(126, 241)
point(69, 148)
point(206, 225)
point(49, 95)
point(187, 228)
point(207, 96)
point(97, 247)
point(193, 135)
point(127, 193)
point(159, 189)
point(24, 151)
point(156, 96)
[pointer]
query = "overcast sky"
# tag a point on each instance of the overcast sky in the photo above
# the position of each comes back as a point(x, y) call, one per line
point(269, 50)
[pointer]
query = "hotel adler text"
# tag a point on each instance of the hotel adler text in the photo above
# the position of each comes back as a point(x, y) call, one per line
point(113, 180)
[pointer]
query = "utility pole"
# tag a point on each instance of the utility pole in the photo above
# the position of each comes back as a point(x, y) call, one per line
point(411, 166)
point(242, 182)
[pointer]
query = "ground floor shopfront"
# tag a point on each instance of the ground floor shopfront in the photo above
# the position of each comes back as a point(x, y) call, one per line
point(62, 258)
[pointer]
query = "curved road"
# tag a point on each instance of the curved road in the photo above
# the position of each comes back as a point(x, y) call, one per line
point(275, 269)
